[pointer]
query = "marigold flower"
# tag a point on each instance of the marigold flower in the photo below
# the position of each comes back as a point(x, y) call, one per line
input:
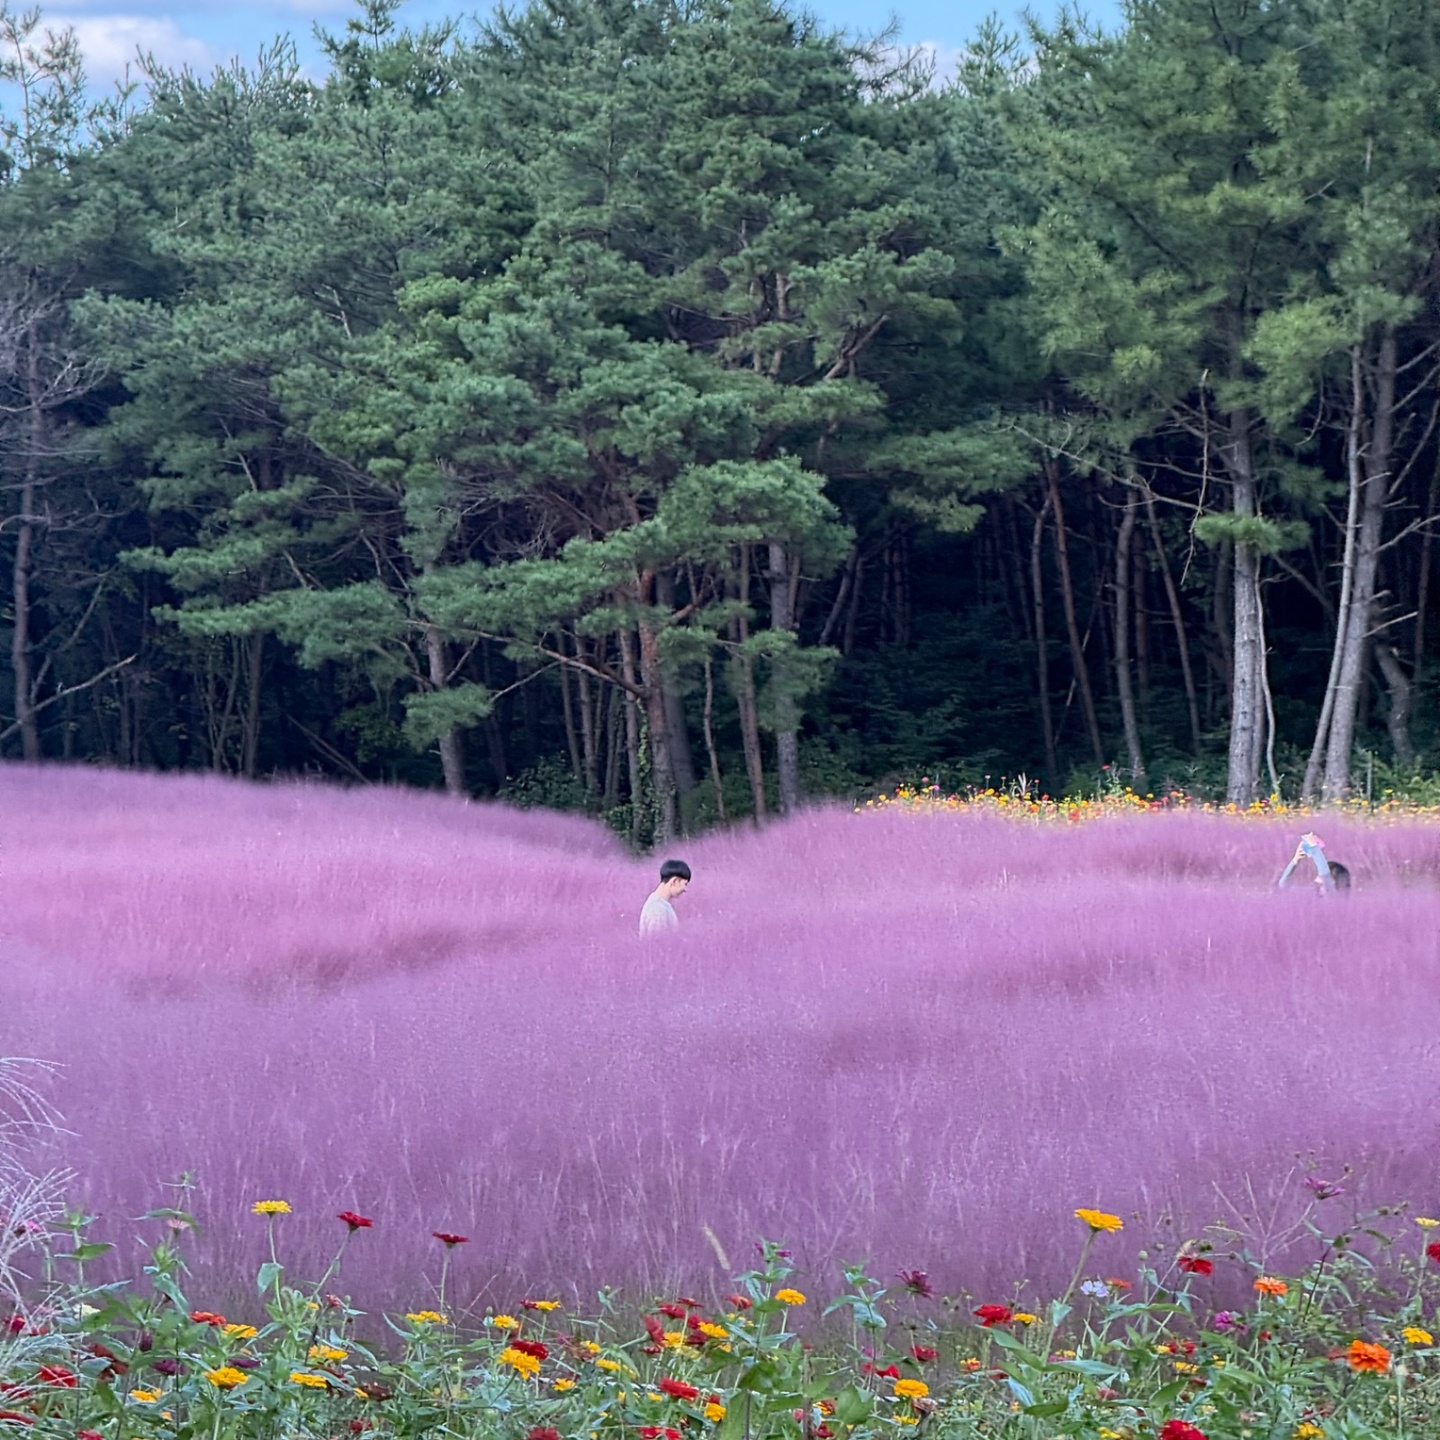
point(240, 1332)
point(679, 1389)
point(313, 1382)
point(328, 1353)
point(563, 1383)
point(1269, 1285)
point(1414, 1335)
point(789, 1297)
point(146, 1397)
point(910, 1389)
point(1099, 1220)
point(1364, 1356)
point(1195, 1264)
point(226, 1377)
point(446, 1238)
point(270, 1207)
point(714, 1412)
point(990, 1315)
point(354, 1221)
point(504, 1322)
point(426, 1317)
point(521, 1363)
point(546, 1305)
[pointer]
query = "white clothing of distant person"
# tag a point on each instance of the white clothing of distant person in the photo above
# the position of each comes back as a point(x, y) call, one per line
point(657, 915)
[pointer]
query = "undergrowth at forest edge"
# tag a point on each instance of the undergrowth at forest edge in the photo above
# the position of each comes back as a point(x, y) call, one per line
point(1344, 1348)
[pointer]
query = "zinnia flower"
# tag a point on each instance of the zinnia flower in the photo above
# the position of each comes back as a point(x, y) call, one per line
point(327, 1353)
point(604, 1363)
point(924, 1353)
point(227, 1377)
point(519, 1361)
point(545, 1305)
point(1426, 1223)
point(679, 1389)
point(1098, 1220)
point(1269, 1285)
point(917, 1282)
point(1195, 1265)
point(504, 1322)
point(1180, 1430)
point(270, 1207)
point(426, 1317)
point(989, 1315)
point(1433, 1251)
point(146, 1397)
point(714, 1412)
point(911, 1389)
point(740, 1302)
point(1414, 1335)
point(532, 1348)
point(314, 1382)
point(354, 1221)
point(56, 1375)
point(563, 1383)
point(543, 1432)
point(240, 1332)
point(710, 1330)
point(789, 1297)
point(206, 1317)
point(1364, 1356)
point(446, 1238)
point(1024, 1317)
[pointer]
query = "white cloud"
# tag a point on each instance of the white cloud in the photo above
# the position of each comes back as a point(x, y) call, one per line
point(945, 59)
point(111, 42)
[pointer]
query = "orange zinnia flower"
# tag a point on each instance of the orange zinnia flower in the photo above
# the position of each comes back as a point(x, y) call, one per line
point(1269, 1285)
point(1364, 1356)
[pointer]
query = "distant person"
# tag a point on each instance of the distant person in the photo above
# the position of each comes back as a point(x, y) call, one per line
point(658, 914)
point(1330, 875)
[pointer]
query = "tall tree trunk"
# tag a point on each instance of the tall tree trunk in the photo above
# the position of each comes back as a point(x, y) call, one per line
point(588, 747)
point(452, 750)
point(250, 740)
point(632, 735)
point(682, 762)
point(744, 672)
point(1072, 626)
point(657, 720)
point(1177, 618)
point(1375, 492)
point(1401, 694)
point(1422, 585)
point(1123, 685)
point(572, 730)
point(787, 740)
point(1042, 643)
point(1246, 687)
point(20, 640)
point(710, 750)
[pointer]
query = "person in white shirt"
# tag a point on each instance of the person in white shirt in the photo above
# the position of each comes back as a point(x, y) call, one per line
point(658, 914)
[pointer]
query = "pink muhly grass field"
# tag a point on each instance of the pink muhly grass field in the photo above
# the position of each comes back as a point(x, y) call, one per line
point(924, 1039)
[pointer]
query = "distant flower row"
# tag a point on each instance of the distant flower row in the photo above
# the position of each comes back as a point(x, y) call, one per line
point(1110, 1359)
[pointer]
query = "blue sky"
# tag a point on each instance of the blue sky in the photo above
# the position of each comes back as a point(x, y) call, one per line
point(202, 33)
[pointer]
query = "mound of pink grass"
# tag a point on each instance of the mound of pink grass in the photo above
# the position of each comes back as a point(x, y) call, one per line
point(922, 1039)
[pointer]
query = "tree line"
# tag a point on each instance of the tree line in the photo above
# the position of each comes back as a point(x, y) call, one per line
point(673, 409)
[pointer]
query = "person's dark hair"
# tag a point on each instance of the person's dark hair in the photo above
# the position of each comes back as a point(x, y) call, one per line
point(674, 870)
point(1340, 874)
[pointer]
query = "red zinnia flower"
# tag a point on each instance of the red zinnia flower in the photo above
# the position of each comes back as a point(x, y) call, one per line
point(530, 1347)
point(206, 1317)
point(917, 1282)
point(890, 1372)
point(1433, 1251)
point(924, 1354)
point(56, 1375)
point(989, 1315)
point(449, 1239)
point(1196, 1265)
point(675, 1312)
point(740, 1302)
point(88, 1435)
point(543, 1432)
point(654, 1329)
point(354, 1221)
point(1180, 1430)
point(687, 1302)
point(17, 1417)
point(679, 1389)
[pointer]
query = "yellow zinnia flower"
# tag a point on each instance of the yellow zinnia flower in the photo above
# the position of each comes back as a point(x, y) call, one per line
point(1023, 1317)
point(563, 1383)
point(714, 1412)
point(270, 1207)
point(714, 1332)
point(327, 1352)
point(1098, 1220)
point(1426, 1223)
point(605, 1364)
point(519, 1362)
point(1305, 1430)
point(227, 1377)
point(315, 1382)
point(1414, 1335)
point(146, 1397)
point(426, 1317)
point(1185, 1368)
point(789, 1297)
point(545, 1305)
point(239, 1332)
point(504, 1322)
point(906, 1419)
point(591, 1346)
point(911, 1389)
